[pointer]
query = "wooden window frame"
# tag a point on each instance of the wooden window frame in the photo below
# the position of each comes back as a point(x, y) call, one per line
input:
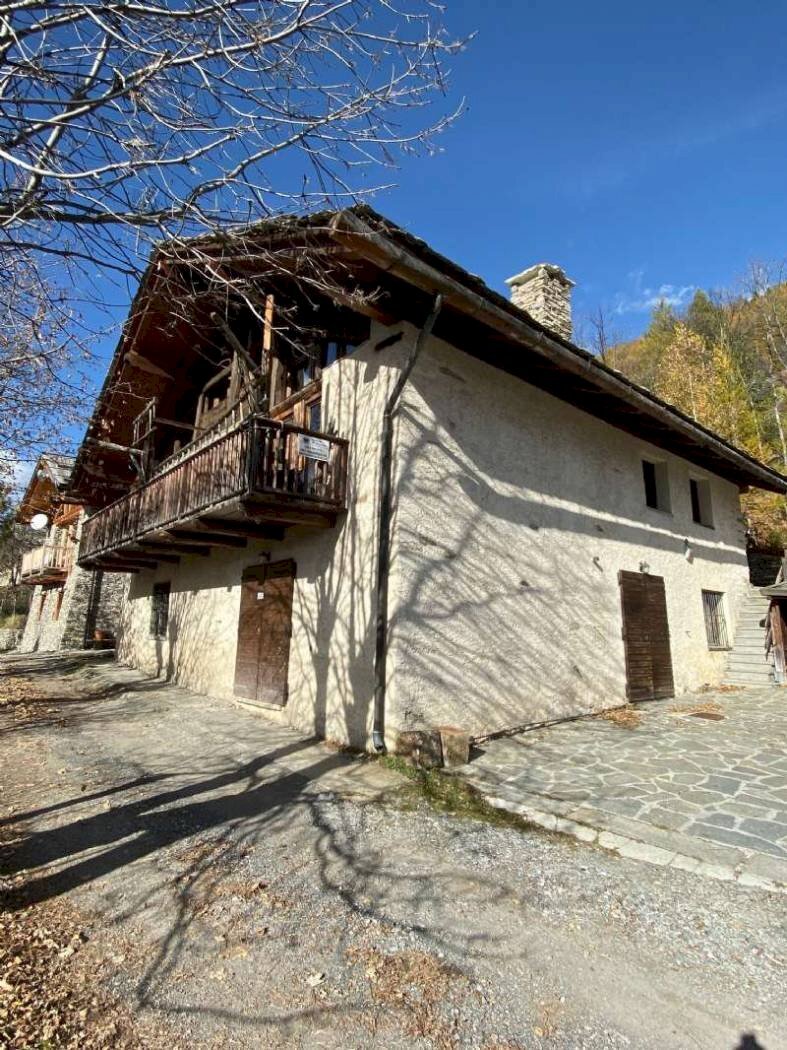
point(159, 609)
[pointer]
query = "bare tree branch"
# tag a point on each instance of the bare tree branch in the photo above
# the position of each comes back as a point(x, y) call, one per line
point(125, 123)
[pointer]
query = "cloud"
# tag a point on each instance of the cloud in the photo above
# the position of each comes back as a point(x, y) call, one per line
point(640, 298)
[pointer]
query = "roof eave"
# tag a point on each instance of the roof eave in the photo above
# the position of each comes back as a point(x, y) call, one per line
point(516, 325)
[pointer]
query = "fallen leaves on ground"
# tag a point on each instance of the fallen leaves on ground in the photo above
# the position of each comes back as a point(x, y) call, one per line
point(628, 717)
point(49, 995)
point(416, 986)
point(704, 707)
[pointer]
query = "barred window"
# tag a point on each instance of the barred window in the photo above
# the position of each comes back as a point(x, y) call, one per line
point(715, 624)
point(159, 610)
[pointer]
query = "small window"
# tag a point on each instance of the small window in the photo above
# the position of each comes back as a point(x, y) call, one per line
point(701, 510)
point(715, 623)
point(159, 610)
point(314, 413)
point(656, 479)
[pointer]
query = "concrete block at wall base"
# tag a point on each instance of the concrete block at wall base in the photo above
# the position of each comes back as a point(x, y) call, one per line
point(455, 746)
point(10, 637)
point(422, 747)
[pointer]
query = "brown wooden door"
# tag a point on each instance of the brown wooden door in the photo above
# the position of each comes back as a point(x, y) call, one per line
point(646, 637)
point(264, 631)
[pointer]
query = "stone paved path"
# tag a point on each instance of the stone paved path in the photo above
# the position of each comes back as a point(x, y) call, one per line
point(240, 886)
point(701, 793)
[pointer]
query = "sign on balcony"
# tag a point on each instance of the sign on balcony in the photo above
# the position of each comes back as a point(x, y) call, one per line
point(314, 448)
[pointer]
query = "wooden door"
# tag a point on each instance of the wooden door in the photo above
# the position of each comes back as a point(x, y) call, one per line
point(776, 637)
point(646, 637)
point(264, 631)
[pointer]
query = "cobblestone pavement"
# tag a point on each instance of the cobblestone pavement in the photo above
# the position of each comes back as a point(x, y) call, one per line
point(699, 782)
point(240, 886)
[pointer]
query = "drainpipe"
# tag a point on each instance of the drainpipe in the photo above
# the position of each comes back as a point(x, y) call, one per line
point(384, 530)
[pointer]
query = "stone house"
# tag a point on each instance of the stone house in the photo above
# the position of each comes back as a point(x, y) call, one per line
point(70, 607)
point(391, 499)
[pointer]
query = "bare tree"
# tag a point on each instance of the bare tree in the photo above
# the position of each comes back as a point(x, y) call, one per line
point(601, 340)
point(43, 359)
point(125, 122)
point(761, 287)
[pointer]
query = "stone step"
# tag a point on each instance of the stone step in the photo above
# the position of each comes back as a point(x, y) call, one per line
point(741, 667)
point(750, 683)
point(746, 662)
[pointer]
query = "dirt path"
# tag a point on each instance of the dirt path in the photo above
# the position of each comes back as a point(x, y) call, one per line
point(241, 887)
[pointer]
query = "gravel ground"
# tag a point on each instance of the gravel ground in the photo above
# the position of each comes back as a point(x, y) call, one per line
point(247, 889)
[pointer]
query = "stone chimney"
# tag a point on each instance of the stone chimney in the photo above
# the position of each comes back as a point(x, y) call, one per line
point(544, 292)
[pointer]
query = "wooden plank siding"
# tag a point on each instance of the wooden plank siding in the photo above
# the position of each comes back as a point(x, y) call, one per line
point(264, 632)
point(255, 459)
point(646, 637)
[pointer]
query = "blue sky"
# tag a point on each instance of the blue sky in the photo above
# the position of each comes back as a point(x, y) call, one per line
point(641, 148)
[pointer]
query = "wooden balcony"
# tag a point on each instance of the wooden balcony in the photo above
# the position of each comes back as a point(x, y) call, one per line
point(49, 563)
point(250, 481)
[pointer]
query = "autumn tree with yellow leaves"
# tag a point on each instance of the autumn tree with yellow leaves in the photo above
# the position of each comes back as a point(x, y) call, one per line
point(724, 363)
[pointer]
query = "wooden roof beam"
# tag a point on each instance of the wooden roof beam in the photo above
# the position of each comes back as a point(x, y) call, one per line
point(113, 565)
point(129, 557)
point(240, 528)
point(136, 551)
point(183, 548)
point(213, 539)
point(391, 257)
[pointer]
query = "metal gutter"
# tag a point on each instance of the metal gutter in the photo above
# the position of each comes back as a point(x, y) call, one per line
point(384, 529)
point(514, 325)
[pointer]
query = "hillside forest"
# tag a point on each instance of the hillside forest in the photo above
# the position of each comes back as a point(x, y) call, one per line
point(723, 360)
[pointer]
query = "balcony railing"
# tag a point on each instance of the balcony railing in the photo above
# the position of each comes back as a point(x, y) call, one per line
point(260, 465)
point(50, 562)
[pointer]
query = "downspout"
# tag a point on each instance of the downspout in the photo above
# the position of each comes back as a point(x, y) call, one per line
point(384, 530)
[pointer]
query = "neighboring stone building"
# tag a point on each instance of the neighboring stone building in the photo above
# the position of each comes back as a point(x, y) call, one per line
point(407, 502)
point(71, 607)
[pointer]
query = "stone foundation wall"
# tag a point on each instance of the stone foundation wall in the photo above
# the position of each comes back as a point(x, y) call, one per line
point(9, 638)
point(91, 601)
point(102, 606)
point(763, 567)
point(44, 626)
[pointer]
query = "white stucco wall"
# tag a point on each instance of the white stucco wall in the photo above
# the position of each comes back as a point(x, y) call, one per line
point(516, 512)
point(332, 649)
